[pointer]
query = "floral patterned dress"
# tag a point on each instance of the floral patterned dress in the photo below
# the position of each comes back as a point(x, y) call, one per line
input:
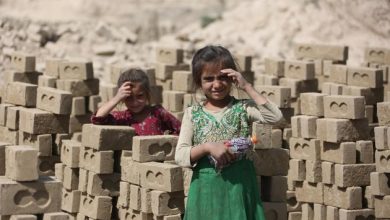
point(232, 193)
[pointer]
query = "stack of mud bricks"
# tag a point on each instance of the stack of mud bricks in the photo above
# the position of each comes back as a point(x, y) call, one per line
point(35, 115)
point(175, 78)
point(271, 164)
point(331, 159)
point(23, 193)
point(109, 87)
point(90, 171)
point(152, 186)
point(380, 58)
point(380, 180)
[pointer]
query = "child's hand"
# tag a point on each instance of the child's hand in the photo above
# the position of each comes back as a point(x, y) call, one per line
point(123, 92)
point(237, 77)
point(220, 152)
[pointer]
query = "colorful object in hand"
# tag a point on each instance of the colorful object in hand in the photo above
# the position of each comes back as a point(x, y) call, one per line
point(238, 147)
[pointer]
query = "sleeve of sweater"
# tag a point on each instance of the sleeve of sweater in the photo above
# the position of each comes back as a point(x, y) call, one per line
point(267, 113)
point(184, 145)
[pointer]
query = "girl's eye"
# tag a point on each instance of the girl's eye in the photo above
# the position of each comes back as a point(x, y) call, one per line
point(208, 78)
point(224, 78)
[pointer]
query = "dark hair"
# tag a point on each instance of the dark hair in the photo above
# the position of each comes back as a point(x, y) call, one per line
point(210, 55)
point(135, 75)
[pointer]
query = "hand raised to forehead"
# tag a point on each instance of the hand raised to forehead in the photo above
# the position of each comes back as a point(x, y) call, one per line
point(237, 78)
point(124, 91)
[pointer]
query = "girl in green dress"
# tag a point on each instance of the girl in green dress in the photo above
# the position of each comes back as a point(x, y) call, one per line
point(230, 193)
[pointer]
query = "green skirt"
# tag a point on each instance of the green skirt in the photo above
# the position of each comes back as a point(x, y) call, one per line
point(232, 194)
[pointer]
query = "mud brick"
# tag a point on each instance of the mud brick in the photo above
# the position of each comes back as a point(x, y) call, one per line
point(328, 175)
point(346, 197)
point(26, 77)
point(103, 184)
point(23, 62)
point(19, 93)
point(70, 200)
point(309, 192)
point(16, 167)
point(380, 183)
point(3, 145)
point(130, 169)
point(238, 93)
point(166, 84)
point(53, 67)
point(75, 70)
point(71, 178)
point(313, 171)
point(330, 88)
point(76, 122)
point(156, 94)
point(294, 215)
point(164, 71)
point(46, 165)
point(182, 81)
point(59, 171)
point(274, 188)
point(56, 216)
point(275, 210)
point(342, 153)
point(70, 153)
point(321, 51)
point(107, 91)
point(263, 133)
point(276, 138)
point(164, 203)
point(169, 55)
point(348, 107)
point(338, 73)
point(249, 76)
point(364, 152)
point(9, 135)
point(266, 80)
point(277, 94)
point(54, 100)
point(94, 100)
point(382, 204)
point(292, 204)
point(304, 126)
point(271, 162)
point(383, 113)
point(368, 197)
point(107, 137)
point(356, 214)
point(365, 77)
point(161, 176)
point(377, 55)
point(96, 207)
point(36, 121)
point(299, 86)
point(274, 67)
point(14, 196)
point(101, 162)
point(13, 117)
point(371, 95)
point(124, 195)
point(332, 213)
point(154, 148)
point(146, 200)
point(382, 161)
point(339, 130)
point(135, 197)
point(305, 149)
point(353, 174)
point(79, 87)
point(319, 212)
point(42, 142)
point(3, 113)
point(297, 170)
point(243, 62)
point(130, 214)
point(296, 69)
point(115, 70)
point(287, 134)
point(173, 100)
point(58, 138)
point(78, 106)
point(47, 81)
point(83, 180)
point(312, 104)
point(23, 217)
point(369, 113)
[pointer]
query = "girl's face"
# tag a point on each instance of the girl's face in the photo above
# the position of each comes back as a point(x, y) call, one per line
point(215, 84)
point(137, 100)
